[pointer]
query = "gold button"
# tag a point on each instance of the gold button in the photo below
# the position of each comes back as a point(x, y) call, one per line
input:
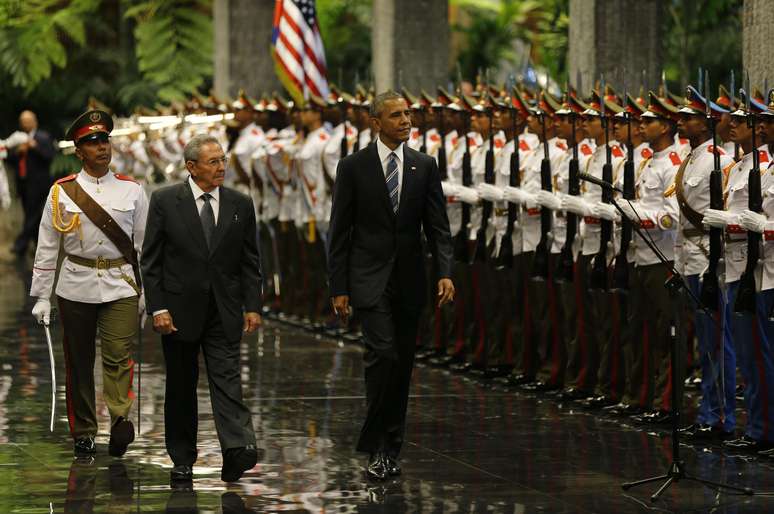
point(99, 274)
point(99, 242)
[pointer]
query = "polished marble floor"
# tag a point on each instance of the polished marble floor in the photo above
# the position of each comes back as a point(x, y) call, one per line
point(470, 449)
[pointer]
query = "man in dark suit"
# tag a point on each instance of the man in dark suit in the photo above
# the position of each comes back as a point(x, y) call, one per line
point(384, 196)
point(201, 270)
point(32, 162)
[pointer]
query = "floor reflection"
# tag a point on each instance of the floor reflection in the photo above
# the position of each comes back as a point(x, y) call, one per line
point(470, 448)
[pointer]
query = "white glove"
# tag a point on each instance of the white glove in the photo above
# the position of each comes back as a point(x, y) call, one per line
point(490, 192)
point(716, 218)
point(16, 139)
point(41, 311)
point(467, 195)
point(753, 221)
point(605, 211)
point(518, 195)
point(449, 188)
point(632, 210)
point(576, 205)
point(550, 200)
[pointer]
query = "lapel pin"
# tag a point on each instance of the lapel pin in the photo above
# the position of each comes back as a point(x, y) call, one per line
point(413, 167)
point(236, 218)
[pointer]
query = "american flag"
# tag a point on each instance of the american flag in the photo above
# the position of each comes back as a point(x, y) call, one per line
point(297, 48)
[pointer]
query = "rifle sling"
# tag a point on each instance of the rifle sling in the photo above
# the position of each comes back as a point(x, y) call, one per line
point(694, 217)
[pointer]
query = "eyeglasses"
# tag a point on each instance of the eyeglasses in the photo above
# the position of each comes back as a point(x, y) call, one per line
point(214, 162)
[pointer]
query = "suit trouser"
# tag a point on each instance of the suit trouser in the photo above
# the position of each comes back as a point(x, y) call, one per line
point(33, 192)
point(233, 421)
point(389, 336)
point(752, 339)
point(288, 244)
point(117, 325)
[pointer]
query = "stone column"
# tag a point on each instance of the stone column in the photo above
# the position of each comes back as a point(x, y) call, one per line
point(757, 30)
point(410, 44)
point(617, 38)
point(242, 47)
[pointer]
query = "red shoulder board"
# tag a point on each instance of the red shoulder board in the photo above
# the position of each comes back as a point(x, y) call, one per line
point(68, 178)
point(435, 138)
point(454, 141)
point(586, 149)
point(126, 177)
point(683, 141)
point(764, 155)
point(616, 151)
point(523, 146)
point(561, 145)
point(711, 149)
point(255, 132)
point(675, 158)
point(323, 136)
point(499, 143)
point(472, 141)
point(414, 134)
point(646, 153)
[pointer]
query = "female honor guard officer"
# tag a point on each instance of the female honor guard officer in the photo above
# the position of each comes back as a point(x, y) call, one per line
point(97, 288)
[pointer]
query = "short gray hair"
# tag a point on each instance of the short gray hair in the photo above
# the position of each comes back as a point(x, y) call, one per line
point(377, 106)
point(194, 146)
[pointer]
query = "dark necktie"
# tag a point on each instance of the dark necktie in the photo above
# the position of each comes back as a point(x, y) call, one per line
point(392, 181)
point(208, 218)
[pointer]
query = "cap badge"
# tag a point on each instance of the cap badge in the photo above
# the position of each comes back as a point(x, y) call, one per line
point(95, 117)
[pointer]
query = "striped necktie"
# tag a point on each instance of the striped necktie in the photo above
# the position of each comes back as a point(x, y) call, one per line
point(392, 180)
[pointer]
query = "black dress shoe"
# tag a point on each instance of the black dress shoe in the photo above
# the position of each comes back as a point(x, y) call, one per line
point(445, 361)
point(376, 469)
point(704, 432)
point(461, 367)
point(597, 402)
point(236, 461)
point(393, 466)
point(84, 447)
point(520, 379)
point(501, 370)
point(181, 473)
point(573, 393)
point(538, 386)
point(747, 445)
point(622, 409)
point(121, 436)
point(658, 417)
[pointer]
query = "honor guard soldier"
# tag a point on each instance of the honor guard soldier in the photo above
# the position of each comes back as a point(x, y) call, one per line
point(649, 305)
point(692, 251)
point(748, 342)
point(763, 223)
point(99, 219)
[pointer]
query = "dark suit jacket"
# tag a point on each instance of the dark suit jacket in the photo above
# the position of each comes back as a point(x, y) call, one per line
point(38, 158)
point(178, 271)
point(368, 242)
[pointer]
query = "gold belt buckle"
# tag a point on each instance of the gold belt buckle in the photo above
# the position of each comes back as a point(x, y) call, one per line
point(101, 263)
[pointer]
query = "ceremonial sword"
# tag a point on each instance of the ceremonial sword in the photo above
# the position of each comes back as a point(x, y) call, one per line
point(53, 375)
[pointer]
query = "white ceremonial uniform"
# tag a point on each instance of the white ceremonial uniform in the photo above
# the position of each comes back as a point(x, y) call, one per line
point(503, 169)
point(591, 231)
point(332, 152)
point(659, 215)
point(692, 249)
point(561, 183)
point(314, 202)
point(767, 254)
point(531, 183)
point(737, 197)
point(455, 149)
point(127, 204)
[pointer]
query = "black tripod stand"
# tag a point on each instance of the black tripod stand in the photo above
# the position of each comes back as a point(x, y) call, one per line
point(676, 472)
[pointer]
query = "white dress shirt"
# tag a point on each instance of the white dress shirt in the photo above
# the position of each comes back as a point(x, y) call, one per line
point(384, 157)
point(198, 195)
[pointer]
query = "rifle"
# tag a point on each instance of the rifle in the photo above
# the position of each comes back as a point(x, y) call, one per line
point(489, 178)
point(442, 166)
point(565, 267)
point(461, 253)
point(710, 285)
point(598, 279)
point(621, 269)
point(505, 257)
point(540, 261)
point(745, 298)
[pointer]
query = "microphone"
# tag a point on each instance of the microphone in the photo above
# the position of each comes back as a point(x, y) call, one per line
point(599, 182)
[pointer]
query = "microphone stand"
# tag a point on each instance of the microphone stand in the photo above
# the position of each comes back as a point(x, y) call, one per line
point(674, 285)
